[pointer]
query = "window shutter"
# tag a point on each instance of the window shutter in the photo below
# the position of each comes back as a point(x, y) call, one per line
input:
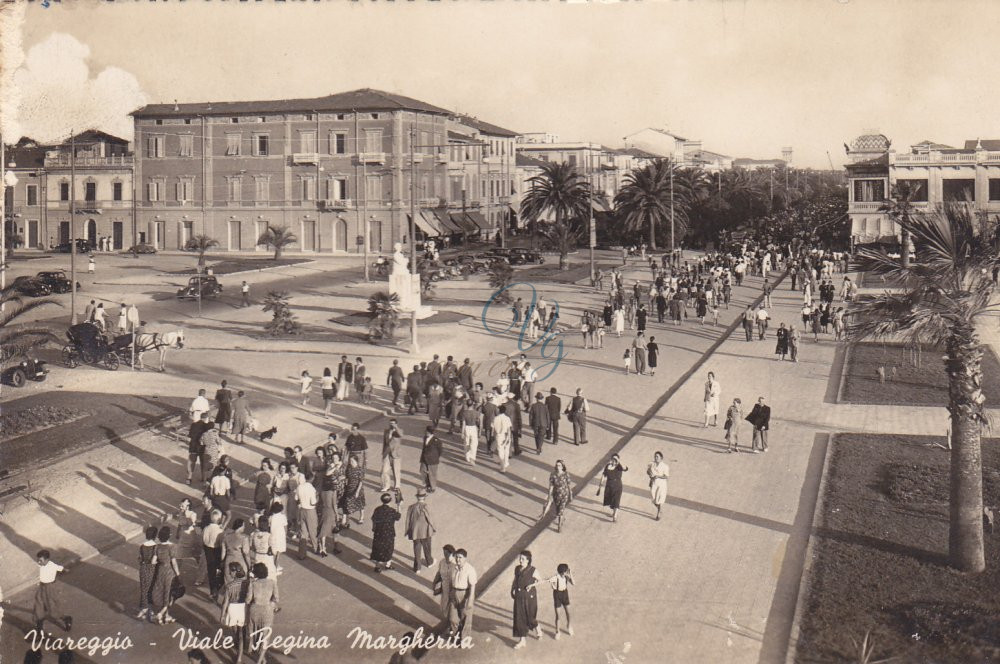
point(150, 146)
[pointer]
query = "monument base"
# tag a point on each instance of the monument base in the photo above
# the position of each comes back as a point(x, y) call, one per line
point(407, 287)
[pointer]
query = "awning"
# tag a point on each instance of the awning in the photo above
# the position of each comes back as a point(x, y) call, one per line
point(424, 225)
point(463, 222)
point(478, 219)
point(444, 220)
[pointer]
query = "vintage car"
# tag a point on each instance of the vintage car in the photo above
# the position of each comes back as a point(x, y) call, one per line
point(57, 281)
point(31, 287)
point(141, 248)
point(526, 257)
point(82, 247)
point(202, 286)
point(27, 369)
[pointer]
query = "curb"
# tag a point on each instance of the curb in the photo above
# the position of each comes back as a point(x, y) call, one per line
point(507, 558)
point(848, 349)
point(806, 578)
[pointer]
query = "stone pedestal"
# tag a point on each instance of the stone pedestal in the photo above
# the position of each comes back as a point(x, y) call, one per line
point(407, 287)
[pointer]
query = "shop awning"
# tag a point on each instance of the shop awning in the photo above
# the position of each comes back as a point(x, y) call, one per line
point(424, 225)
point(444, 220)
point(478, 219)
point(464, 223)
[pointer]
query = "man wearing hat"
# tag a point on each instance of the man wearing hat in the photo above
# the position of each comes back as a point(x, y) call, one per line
point(538, 418)
point(490, 410)
point(554, 404)
point(420, 530)
point(469, 416)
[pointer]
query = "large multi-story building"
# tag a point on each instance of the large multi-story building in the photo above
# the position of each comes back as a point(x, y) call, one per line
point(326, 168)
point(685, 152)
point(937, 174)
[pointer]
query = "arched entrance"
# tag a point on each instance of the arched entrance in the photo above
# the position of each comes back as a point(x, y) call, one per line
point(340, 235)
point(92, 232)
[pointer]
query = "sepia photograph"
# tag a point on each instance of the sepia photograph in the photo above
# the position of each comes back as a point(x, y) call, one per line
point(467, 332)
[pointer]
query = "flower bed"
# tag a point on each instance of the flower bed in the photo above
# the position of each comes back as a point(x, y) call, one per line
point(16, 423)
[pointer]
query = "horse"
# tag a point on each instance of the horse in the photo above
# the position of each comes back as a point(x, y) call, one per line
point(147, 341)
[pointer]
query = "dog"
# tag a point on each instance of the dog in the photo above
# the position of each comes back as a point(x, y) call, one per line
point(269, 434)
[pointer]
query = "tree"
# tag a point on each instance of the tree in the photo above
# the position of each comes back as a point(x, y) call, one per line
point(384, 310)
point(277, 238)
point(501, 274)
point(899, 206)
point(947, 290)
point(644, 199)
point(19, 339)
point(201, 244)
point(282, 319)
point(564, 192)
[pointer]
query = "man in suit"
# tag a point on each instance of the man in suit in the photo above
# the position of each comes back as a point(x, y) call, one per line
point(465, 374)
point(434, 371)
point(414, 388)
point(430, 458)
point(760, 418)
point(516, 422)
point(538, 417)
point(578, 410)
point(345, 378)
point(395, 381)
point(490, 412)
point(554, 404)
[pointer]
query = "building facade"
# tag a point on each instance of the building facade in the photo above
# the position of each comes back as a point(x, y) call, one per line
point(336, 170)
point(687, 153)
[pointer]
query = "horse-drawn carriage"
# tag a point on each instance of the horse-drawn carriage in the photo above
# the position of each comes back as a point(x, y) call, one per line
point(88, 344)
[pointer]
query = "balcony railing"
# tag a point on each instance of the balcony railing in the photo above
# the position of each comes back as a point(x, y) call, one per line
point(63, 160)
point(864, 206)
point(305, 158)
point(371, 157)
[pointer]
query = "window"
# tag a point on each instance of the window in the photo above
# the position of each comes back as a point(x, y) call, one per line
point(159, 122)
point(154, 146)
point(307, 142)
point(308, 116)
point(373, 140)
point(262, 119)
point(869, 191)
point(186, 145)
point(187, 121)
point(959, 190)
point(234, 188)
point(116, 191)
point(336, 189)
point(572, 160)
point(308, 188)
point(919, 188)
point(90, 191)
point(994, 189)
point(261, 189)
point(338, 143)
point(153, 190)
point(374, 116)
point(232, 145)
point(373, 189)
point(64, 191)
point(185, 190)
point(234, 120)
point(341, 116)
point(260, 145)
point(31, 193)
point(457, 189)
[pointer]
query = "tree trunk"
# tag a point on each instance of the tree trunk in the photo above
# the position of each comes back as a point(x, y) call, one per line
point(905, 250)
point(201, 259)
point(277, 251)
point(652, 232)
point(965, 404)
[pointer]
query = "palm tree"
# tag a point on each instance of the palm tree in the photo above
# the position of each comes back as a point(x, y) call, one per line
point(282, 319)
point(948, 289)
point(277, 238)
point(201, 244)
point(19, 339)
point(559, 189)
point(500, 276)
point(384, 310)
point(899, 206)
point(644, 199)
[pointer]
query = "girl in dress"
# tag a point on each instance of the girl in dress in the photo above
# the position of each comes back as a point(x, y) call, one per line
point(329, 391)
point(166, 572)
point(619, 321)
point(613, 490)
point(277, 528)
point(627, 360)
point(260, 545)
point(305, 385)
point(522, 591)
point(560, 494)
point(658, 472)
point(354, 493)
point(280, 488)
point(331, 489)
point(234, 608)
point(384, 519)
point(235, 549)
point(147, 570)
point(712, 392)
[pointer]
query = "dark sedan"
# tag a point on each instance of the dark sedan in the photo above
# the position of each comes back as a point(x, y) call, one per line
point(57, 281)
point(31, 287)
point(207, 285)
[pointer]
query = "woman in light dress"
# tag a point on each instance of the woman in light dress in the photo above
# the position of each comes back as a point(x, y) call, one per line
point(658, 472)
point(619, 321)
point(712, 392)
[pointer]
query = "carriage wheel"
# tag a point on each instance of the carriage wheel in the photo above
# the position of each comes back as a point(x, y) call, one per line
point(69, 358)
point(111, 360)
point(87, 356)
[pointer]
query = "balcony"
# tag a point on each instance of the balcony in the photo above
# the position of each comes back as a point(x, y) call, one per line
point(865, 206)
point(441, 158)
point(62, 160)
point(430, 201)
point(371, 158)
point(305, 158)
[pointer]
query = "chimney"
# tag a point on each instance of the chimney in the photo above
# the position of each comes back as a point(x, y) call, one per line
point(786, 154)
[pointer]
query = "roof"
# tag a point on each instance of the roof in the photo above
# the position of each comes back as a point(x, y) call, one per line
point(635, 152)
point(659, 131)
point(746, 161)
point(485, 127)
point(931, 145)
point(871, 143)
point(95, 136)
point(882, 160)
point(521, 159)
point(708, 154)
point(988, 144)
point(460, 137)
point(26, 154)
point(365, 99)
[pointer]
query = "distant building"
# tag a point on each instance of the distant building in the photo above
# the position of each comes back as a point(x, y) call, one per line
point(685, 152)
point(758, 164)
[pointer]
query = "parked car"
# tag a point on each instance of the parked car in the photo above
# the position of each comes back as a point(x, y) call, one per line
point(208, 286)
point(27, 369)
point(141, 248)
point(82, 247)
point(526, 257)
point(31, 287)
point(57, 281)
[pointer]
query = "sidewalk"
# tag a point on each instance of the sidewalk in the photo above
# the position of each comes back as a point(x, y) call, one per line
point(477, 508)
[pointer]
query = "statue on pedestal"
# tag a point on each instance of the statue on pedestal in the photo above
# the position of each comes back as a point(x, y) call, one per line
point(401, 281)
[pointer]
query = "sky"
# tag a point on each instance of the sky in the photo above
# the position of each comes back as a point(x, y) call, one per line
point(746, 78)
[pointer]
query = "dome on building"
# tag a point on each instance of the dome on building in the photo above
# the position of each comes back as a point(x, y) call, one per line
point(871, 143)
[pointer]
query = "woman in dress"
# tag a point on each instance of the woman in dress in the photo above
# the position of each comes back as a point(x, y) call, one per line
point(559, 494)
point(613, 489)
point(781, 348)
point(838, 323)
point(241, 416)
point(219, 488)
point(585, 327)
point(260, 545)
point(384, 518)
point(328, 384)
point(280, 488)
point(442, 580)
point(658, 472)
point(234, 608)
point(331, 488)
point(262, 604)
point(263, 482)
point(235, 549)
point(734, 418)
point(619, 321)
point(147, 572)
point(712, 392)
point(525, 597)
point(607, 313)
point(652, 352)
point(166, 572)
point(354, 493)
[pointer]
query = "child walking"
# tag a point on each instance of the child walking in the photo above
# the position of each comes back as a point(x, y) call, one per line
point(305, 382)
point(47, 603)
point(560, 594)
point(627, 359)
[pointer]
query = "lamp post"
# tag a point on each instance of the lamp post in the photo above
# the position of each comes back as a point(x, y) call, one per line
point(72, 228)
point(414, 343)
point(672, 247)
